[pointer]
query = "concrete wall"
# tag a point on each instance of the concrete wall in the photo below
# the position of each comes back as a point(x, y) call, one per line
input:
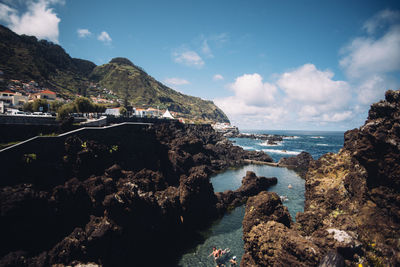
point(112, 119)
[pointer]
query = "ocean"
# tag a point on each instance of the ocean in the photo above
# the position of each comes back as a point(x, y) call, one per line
point(313, 142)
point(227, 232)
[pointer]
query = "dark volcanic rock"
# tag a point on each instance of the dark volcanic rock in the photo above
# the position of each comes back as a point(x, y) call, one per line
point(251, 186)
point(266, 206)
point(273, 244)
point(269, 241)
point(114, 199)
point(299, 163)
point(352, 207)
point(270, 138)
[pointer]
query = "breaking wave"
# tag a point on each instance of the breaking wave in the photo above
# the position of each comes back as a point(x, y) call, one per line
point(266, 144)
point(284, 152)
point(291, 137)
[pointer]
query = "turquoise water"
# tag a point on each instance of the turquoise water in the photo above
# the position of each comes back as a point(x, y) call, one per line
point(313, 142)
point(227, 232)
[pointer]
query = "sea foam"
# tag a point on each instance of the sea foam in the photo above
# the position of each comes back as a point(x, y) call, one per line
point(247, 147)
point(285, 152)
point(266, 144)
point(291, 137)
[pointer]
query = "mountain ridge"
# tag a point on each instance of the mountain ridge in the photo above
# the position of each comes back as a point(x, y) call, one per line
point(26, 58)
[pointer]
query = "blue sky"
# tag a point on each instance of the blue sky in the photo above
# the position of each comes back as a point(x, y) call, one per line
point(268, 64)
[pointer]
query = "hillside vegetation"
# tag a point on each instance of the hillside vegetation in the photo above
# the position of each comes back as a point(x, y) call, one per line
point(25, 58)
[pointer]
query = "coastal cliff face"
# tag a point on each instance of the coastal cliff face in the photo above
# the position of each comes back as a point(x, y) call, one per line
point(352, 207)
point(117, 202)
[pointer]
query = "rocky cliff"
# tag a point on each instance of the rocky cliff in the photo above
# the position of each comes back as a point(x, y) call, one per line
point(352, 207)
point(117, 199)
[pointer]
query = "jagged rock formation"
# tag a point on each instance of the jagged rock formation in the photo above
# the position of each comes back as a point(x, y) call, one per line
point(352, 208)
point(299, 163)
point(114, 200)
point(271, 139)
point(251, 185)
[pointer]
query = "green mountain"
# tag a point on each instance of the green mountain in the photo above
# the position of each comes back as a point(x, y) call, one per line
point(25, 58)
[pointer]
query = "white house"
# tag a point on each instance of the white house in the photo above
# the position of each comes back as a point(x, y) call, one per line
point(45, 94)
point(112, 111)
point(153, 112)
point(141, 112)
point(13, 99)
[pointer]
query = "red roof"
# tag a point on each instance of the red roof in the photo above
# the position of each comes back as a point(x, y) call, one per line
point(47, 92)
point(7, 92)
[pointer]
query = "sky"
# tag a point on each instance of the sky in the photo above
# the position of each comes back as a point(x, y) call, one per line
point(277, 65)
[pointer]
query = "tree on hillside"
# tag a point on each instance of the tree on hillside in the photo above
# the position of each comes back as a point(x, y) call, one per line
point(99, 108)
point(28, 106)
point(83, 105)
point(40, 105)
point(55, 105)
point(63, 113)
point(123, 111)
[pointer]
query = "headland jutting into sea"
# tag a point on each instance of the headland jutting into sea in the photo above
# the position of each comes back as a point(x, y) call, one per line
point(117, 196)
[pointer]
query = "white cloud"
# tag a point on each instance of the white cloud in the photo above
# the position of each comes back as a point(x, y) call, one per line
point(239, 110)
point(372, 62)
point(380, 20)
point(82, 33)
point(308, 97)
point(253, 102)
point(176, 81)
point(371, 90)
point(314, 96)
point(39, 19)
point(303, 95)
point(367, 55)
point(252, 91)
point(215, 41)
point(189, 58)
point(310, 85)
point(218, 77)
point(104, 37)
point(308, 112)
point(337, 117)
point(220, 39)
point(206, 50)
point(6, 12)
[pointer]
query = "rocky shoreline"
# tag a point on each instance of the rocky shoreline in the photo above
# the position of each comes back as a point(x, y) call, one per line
point(115, 203)
point(352, 207)
point(271, 139)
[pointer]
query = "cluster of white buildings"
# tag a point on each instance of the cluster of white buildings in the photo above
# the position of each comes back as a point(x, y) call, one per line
point(224, 127)
point(140, 112)
point(20, 93)
point(9, 99)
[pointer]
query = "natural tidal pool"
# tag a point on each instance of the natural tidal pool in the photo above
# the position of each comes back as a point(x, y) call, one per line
point(227, 232)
